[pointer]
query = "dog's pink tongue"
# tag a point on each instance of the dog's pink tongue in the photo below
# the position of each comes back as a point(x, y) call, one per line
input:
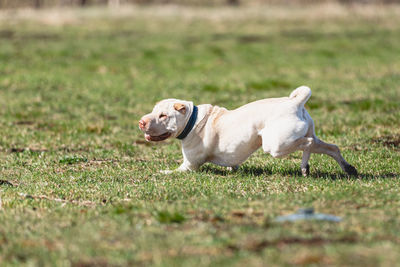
point(148, 137)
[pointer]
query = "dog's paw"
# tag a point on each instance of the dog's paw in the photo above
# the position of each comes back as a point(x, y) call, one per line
point(232, 169)
point(166, 171)
point(305, 171)
point(310, 141)
point(350, 170)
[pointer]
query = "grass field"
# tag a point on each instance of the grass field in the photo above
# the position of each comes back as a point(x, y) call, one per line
point(80, 186)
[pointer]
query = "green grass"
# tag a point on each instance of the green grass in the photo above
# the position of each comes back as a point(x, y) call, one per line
point(80, 186)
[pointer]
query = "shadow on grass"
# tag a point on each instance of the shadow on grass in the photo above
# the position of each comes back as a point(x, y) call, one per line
point(264, 171)
point(248, 170)
point(360, 176)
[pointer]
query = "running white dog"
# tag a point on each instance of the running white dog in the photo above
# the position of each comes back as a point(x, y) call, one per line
point(228, 137)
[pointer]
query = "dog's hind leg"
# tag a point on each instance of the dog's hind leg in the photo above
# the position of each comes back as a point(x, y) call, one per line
point(305, 167)
point(302, 143)
point(321, 147)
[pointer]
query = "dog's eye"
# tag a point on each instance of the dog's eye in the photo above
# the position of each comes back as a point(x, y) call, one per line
point(162, 116)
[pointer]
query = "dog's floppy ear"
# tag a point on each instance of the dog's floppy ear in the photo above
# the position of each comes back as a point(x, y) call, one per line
point(180, 107)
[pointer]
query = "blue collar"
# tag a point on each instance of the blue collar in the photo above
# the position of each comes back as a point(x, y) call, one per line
point(190, 124)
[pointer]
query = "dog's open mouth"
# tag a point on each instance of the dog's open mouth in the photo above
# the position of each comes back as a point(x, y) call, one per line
point(157, 138)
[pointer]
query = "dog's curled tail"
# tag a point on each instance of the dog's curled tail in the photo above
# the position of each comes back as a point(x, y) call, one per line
point(301, 95)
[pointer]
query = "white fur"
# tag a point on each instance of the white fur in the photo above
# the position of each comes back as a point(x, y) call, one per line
point(227, 138)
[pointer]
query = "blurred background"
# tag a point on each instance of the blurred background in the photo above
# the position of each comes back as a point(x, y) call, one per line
point(80, 185)
point(53, 3)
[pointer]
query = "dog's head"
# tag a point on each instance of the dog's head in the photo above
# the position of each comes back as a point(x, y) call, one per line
point(168, 119)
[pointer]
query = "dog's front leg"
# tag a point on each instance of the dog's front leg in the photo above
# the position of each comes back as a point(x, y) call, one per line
point(185, 166)
point(193, 158)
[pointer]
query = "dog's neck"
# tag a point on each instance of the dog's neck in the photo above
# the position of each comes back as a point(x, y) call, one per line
point(204, 112)
point(190, 124)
